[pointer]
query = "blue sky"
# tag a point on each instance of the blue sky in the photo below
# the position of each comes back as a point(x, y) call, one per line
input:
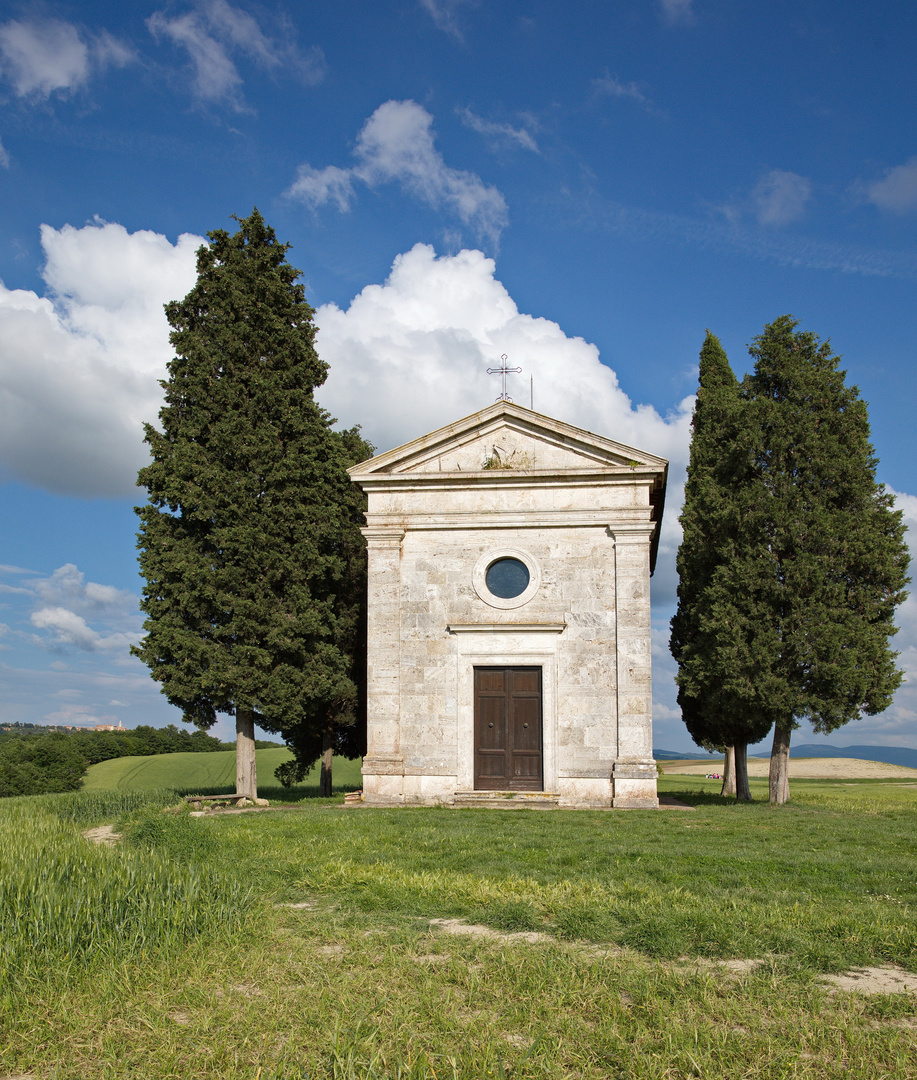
point(586, 188)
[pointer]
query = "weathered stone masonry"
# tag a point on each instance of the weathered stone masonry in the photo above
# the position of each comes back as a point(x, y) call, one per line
point(579, 515)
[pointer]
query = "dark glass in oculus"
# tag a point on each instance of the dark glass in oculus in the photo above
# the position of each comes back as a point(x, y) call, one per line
point(507, 578)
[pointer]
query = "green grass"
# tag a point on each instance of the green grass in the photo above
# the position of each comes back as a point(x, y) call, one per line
point(66, 902)
point(635, 909)
point(203, 772)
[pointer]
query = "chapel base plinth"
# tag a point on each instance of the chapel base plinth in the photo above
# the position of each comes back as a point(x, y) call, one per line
point(634, 784)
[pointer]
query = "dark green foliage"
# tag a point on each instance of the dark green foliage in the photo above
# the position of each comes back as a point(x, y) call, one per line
point(793, 559)
point(250, 542)
point(712, 636)
point(142, 741)
point(823, 561)
point(40, 765)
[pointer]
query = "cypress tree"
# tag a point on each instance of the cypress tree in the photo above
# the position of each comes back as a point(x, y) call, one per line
point(249, 541)
point(710, 633)
point(821, 560)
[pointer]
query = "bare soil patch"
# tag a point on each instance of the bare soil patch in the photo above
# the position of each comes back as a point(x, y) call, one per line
point(104, 834)
point(732, 969)
point(801, 769)
point(875, 980)
point(458, 926)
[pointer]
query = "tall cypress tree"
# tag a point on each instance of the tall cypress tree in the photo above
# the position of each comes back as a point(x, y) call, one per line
point(710, 633)
point(821, 560)
point(249, 541)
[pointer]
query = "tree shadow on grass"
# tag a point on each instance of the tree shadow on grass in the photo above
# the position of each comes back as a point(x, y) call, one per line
point(274, 793)
point(698, 797)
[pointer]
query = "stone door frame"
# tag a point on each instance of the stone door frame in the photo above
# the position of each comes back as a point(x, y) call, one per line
point(484, 648)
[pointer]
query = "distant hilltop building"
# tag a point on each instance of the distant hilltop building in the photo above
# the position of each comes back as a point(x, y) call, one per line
point(18, 725)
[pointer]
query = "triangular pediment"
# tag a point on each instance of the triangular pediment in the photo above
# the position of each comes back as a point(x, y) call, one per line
point(507, 437)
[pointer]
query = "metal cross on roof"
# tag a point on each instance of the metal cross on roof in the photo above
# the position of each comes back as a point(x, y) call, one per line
point(504, 371)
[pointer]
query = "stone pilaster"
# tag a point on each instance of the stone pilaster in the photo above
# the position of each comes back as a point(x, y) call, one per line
point(383, 766)
point(634, 771)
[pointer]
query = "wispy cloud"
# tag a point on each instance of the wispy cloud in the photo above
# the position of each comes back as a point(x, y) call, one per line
point(504, 134)
point(41, 57)
point(896, 191)
point(780, 197)
point(397, 145)
point(777, 198)
point(676, 12)
point(754, 242)
point(611, 86)
point(445, 15)
point(214, 33)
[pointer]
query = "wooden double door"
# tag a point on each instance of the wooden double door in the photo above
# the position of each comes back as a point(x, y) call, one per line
point(508, 751)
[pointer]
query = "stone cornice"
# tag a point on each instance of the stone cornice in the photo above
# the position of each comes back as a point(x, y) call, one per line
point(378, 524)
point(383, 533)
point(631, 532)
point(602, 475)
point(506, 628)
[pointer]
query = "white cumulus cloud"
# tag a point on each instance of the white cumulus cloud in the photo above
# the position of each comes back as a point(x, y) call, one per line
point(412, 354)
point(397, 145)
point(79, 367)
point(41, 57)
point(315, 187)
point(68, 585)
point(84, 614)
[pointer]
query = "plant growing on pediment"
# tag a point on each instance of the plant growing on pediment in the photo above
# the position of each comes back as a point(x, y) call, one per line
point(515, 459)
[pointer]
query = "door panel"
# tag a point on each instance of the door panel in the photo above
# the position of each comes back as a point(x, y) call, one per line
point(508, 729)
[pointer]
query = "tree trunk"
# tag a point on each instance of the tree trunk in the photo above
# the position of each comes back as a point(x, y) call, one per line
point(729, 772)
point(779, 774)
point(743, 792)
point(324, 784)
point(246, 771)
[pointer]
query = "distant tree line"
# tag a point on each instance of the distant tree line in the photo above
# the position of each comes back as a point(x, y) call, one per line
point(38, 761)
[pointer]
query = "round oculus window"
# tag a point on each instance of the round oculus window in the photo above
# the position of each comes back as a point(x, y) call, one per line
point(507, 578)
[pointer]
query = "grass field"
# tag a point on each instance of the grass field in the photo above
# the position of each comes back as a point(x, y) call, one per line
point(202, 772)
point(599, 950)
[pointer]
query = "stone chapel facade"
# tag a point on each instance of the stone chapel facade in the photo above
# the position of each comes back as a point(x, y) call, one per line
point(509, 615)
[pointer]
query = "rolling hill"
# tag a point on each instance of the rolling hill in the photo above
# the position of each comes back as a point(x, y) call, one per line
point(202, 771)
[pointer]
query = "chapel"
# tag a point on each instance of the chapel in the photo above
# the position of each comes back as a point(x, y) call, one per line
point(509, 652)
